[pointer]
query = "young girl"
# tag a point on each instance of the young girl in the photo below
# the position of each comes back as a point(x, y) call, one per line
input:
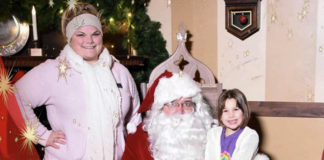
point(233, 139)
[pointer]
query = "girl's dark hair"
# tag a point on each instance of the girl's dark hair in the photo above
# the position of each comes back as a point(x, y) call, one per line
point(240, 101)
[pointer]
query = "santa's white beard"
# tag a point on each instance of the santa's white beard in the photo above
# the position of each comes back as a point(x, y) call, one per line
point(177, 137)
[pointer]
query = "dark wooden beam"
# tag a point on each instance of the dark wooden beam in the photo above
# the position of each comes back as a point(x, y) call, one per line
point(29, 61)
point(287, 109)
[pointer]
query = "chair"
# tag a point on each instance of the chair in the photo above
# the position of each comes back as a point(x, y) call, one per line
point(182, 61)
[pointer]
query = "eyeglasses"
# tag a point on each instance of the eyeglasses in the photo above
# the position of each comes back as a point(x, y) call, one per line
point(186, 104)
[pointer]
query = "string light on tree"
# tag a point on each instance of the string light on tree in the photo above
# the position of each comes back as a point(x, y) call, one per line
point(51, 3)
point(111, 20)
point(129, 15)
point(71, 3)
point(61, 11)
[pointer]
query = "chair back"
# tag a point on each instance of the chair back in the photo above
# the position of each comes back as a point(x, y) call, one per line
point(182, 61)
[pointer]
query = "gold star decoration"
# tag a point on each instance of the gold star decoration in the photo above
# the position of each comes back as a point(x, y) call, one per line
point(29, 135)
point(274, 18)
point(305, 10)
point(290, 33)
point(5, 86)
point(230, 43)
point(246, 53)
point(63, 67)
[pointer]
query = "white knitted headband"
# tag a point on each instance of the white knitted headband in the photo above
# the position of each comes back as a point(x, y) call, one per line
point(80, 21)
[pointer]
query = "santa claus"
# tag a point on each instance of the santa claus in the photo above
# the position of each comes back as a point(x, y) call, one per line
point(176, 122)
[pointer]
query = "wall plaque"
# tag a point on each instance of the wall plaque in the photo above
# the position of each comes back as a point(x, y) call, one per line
point(242, 17)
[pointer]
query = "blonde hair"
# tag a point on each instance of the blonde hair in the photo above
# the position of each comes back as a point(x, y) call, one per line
point(80, 8)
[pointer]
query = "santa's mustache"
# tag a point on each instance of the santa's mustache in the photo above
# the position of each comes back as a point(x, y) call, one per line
point(175, 120)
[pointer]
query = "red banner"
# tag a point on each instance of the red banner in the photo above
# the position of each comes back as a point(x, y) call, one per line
point(13, 143)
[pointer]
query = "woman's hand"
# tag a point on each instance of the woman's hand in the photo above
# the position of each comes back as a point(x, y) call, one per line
point(56, 137)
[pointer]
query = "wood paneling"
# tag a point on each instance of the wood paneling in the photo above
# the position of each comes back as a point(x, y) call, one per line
point(287, 109)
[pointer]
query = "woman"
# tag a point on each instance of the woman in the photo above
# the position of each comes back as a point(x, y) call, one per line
point(90, 98)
